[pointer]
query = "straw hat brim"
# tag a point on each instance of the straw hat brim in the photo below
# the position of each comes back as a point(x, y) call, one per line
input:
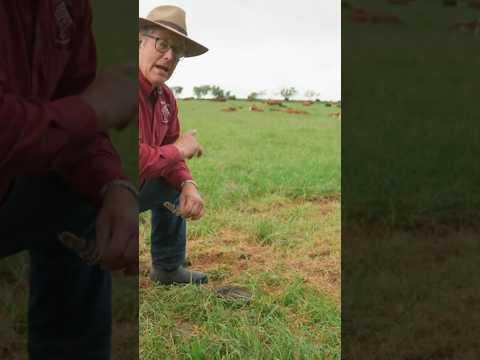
point(192, 47)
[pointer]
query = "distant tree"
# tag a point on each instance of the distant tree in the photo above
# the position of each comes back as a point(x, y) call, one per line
point(217, 91)
point(206, 89)
point(201, 91)
point(252, 96)
point(287, 93)
point(177, 90)
point(310, 94)
point(197, 92)
point(230, 96)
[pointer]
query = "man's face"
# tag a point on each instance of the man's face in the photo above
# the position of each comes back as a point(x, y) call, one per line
point(155, 65)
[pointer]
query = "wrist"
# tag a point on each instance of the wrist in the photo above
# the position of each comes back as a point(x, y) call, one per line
point(189, 182)
point(180, 151)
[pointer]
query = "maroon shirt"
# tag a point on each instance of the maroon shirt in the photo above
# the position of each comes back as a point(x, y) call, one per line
point(47, 58)
point(158, 130)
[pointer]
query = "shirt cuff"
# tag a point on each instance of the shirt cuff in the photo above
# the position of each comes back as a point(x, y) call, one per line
point(171, 153)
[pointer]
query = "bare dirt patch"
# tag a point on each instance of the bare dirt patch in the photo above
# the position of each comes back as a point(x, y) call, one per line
point(236, 253)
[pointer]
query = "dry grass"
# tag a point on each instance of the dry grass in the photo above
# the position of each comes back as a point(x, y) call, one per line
point(229, 254)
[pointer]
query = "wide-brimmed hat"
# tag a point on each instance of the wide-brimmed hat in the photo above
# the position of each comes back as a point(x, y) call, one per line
point(172, 18)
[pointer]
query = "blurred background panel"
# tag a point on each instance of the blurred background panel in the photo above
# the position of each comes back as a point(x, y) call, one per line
point(410, 178)
point(115, 28)
point(115, 25)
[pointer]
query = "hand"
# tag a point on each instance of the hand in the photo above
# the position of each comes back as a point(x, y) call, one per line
point(188, 145)
point(114, 97)
point(117, 230)
point(191, 203)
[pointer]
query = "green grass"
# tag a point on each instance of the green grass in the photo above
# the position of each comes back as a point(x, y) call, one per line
point(271, 184)
point(247, 156)
point(206, 327)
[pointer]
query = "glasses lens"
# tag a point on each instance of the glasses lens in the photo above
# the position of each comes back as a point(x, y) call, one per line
point(162, 45)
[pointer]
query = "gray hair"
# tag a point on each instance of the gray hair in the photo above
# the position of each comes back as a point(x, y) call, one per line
point(148, 29)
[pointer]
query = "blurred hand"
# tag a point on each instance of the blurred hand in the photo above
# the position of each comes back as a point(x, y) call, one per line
point(191, 203)
point(117, 230)
point(188, 145)
point(114, 97)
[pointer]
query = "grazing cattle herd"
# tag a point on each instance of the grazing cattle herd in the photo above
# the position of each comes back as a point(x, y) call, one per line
point(364, 16)
point(467, 26)
point(281, 107)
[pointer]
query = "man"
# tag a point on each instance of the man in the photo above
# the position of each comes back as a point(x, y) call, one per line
point(164, 176)
point(59, 171)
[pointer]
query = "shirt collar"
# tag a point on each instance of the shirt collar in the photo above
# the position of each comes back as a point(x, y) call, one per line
point(146, 88)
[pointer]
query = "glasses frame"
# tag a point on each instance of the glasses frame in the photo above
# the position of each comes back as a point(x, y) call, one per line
point(174, 51)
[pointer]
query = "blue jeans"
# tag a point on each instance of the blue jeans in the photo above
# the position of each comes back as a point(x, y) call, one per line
point(69, 308)
point(168, 231)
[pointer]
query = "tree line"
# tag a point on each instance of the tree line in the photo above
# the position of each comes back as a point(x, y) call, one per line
point(216, 91)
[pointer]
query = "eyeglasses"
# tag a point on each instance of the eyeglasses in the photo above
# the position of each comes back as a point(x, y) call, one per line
point(163, 46)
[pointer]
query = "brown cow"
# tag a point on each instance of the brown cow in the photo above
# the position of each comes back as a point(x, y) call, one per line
point(254, 108)
point(296, 111)
point(273, 102)
point(230, 109)
point(219, 98)
point(363, 16)
point(338, 115)
point(467, 26)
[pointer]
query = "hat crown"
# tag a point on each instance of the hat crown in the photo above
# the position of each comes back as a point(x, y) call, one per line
point(173, 18)
point(169, 15)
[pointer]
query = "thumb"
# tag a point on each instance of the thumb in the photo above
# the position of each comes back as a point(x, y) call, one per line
point(182, 203)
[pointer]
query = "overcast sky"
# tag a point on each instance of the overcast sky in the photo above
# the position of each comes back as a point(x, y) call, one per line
point(261, 45)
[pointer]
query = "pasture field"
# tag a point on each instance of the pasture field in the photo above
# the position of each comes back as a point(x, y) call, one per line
point(410, 179)
point(271, 184)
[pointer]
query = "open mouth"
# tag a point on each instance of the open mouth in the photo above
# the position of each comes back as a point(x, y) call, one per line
point(161, 67)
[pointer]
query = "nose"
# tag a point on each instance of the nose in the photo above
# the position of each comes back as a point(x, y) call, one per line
point(169, 55)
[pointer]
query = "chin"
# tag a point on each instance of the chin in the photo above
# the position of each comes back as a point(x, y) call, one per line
point(158, 80)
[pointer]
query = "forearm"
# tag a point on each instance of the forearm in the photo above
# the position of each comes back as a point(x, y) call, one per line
point(34, 132)
point(90, 168)
point(157, 161)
